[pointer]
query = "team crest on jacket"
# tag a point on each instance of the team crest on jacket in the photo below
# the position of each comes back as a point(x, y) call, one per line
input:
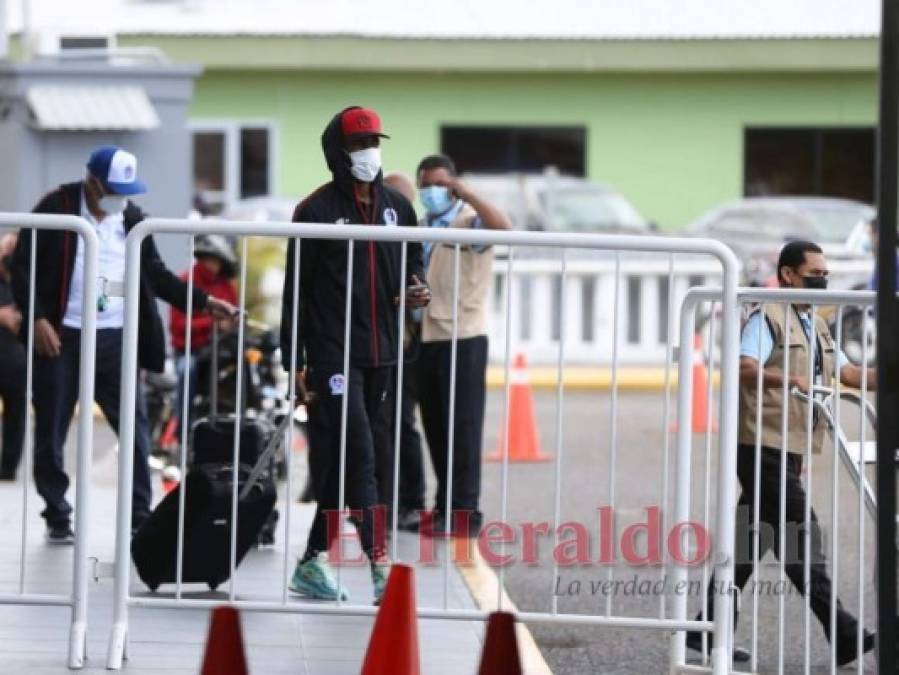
point(337, 384)
point(390, 217)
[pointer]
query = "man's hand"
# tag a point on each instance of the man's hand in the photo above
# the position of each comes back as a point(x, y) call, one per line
point(221, 309)
point(46, 341)
point(10, 318)
point(417, 294)
point(304, 396)
point(800, 383)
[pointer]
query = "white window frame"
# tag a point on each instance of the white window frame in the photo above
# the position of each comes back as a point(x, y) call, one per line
point(231, 129)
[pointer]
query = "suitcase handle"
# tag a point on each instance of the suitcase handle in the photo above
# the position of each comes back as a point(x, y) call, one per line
point(214, 371)
point(266, 455)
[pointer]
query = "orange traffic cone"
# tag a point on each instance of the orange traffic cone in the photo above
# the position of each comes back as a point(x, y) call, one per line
point(701, 420)
point(521, 424)
point(500, 655)
point(224, 646)
point(393, 646)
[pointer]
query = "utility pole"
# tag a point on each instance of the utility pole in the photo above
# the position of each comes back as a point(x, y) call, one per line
point(887, 339)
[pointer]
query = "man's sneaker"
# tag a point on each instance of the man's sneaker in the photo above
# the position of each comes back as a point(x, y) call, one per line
point(380, 570)
point(694, 641)
point(60, 534)
point(408, 520)
point(315, 579)
point(848, 651)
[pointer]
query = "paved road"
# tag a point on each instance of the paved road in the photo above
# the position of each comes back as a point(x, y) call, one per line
point(577, 651)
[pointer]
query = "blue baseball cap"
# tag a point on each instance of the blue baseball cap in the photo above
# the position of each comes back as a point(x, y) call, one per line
point(116, 170)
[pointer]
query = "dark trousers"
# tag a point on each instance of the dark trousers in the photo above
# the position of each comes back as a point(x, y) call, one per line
point(55, 396)
point(12, 390)
point(819, 588)
point(412, 473)
point(468, 426)
point(367, 391)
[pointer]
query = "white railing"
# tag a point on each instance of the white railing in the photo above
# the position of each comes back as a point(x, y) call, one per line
point(77, 599)
point(643, 298)
point(844, 453)
point(670, 249)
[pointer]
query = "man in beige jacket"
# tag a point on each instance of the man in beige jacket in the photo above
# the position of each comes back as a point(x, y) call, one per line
point(768, 333)
point(451, 203)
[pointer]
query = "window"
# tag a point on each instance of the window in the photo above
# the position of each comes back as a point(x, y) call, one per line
point(231, 161)
point(95, 42)
point(521, 149)
point(833, 162)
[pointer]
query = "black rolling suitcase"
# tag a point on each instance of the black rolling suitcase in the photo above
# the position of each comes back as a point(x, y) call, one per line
point(207, 525)
point(208, 504)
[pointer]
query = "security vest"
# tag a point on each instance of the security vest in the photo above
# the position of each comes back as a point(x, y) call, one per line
point(475, 272)
point(772, 397)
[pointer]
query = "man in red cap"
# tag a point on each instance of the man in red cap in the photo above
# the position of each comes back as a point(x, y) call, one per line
point(355, 195)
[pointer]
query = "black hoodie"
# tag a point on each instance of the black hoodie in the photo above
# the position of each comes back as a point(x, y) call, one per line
point(377, 275)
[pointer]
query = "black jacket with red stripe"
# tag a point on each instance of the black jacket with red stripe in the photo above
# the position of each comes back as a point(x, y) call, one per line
point(377, 274)
point(55, 256)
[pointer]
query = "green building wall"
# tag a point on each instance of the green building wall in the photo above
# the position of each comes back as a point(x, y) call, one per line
point(673, 143)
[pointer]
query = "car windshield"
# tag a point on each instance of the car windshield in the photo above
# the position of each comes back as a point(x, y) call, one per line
point(590, 210)
point(835, 224)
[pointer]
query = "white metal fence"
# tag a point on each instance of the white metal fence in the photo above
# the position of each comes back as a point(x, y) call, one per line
point(847, 451)
point(618, 246)
point(77, 598)
point(643, 297)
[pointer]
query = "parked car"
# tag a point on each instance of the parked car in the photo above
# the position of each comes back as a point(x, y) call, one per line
point(756, 228)
point(552, 203)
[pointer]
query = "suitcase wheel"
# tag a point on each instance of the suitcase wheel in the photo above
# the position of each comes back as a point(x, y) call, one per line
point(213, 585)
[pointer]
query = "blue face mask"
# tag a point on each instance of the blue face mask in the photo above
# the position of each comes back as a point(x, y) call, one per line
point(436, 199)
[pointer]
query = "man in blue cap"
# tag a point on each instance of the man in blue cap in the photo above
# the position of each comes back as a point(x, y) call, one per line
point(102, 199)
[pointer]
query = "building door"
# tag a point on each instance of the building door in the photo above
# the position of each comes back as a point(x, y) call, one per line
point(832, 162)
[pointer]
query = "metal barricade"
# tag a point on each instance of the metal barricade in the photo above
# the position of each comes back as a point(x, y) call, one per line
point(456, 239)
point(847, 454)
point(77, 599)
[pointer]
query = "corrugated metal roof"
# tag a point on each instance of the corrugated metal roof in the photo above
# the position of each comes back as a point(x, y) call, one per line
point(472, 19)
point(89, 108)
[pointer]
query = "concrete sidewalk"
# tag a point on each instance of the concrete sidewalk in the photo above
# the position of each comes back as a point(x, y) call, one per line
point(34, 640)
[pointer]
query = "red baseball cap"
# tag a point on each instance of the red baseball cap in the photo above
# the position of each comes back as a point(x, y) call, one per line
point(361, 122)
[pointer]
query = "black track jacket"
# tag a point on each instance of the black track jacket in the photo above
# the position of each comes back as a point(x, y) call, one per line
point(55, 257)
point(377, 275)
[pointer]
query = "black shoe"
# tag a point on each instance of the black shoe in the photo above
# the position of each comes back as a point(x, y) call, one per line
point(408, 520)
point(60, 534)
point(694, 642)
point(8, 474)
point(439, 525)
point(847, 652)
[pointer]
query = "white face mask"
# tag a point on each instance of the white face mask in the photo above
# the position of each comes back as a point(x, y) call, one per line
point(113, 204)
point(365, 164)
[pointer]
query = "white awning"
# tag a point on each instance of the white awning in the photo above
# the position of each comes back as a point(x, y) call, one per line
point(91, 108)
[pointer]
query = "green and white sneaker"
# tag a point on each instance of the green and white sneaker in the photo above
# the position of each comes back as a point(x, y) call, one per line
point(380, 570)
point(315, 579)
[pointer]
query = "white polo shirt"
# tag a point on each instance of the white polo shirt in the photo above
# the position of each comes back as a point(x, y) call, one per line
point(111, 259)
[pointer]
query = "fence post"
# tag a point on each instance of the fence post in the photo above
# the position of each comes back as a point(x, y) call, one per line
point(119, 636)
point(727, 462)
point(78, 598)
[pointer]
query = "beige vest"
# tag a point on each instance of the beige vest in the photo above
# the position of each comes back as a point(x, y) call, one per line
point(772, 398)
point(475, 270)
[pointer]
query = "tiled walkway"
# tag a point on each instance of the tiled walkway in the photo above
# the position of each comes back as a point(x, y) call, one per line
point(34, 640)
